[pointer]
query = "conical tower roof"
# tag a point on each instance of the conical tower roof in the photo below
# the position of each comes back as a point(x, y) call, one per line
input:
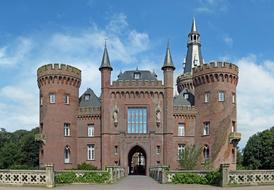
point(105, 60)
point(168, 59)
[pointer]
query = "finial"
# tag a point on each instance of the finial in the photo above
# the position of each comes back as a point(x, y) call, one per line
point(105, 42)
point(193, 27)
point(167, 43)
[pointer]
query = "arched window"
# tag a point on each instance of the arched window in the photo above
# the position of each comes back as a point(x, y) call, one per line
point(206, 128)
point(67, 154)
point(206, 152)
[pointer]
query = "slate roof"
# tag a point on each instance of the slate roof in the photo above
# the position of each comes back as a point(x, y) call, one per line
point(144, 75)
point(180, 100)
point(93, 101)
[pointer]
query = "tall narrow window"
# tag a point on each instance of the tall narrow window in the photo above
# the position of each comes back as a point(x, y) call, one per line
point(67, 155)
point(233, 98)
point(206, 128)
point(181, 129)
point(41, 100)
point(158, 149)
point(181, 150)
point(90, 152)
point(66, 129)
point(115, 150)
point(206, 97)
point(221, 96)
point(233, 127)
point(233, 155)
point(90, 130)
point(52, 98)
point(66, 99)
point(137, 120)
point(206, 153)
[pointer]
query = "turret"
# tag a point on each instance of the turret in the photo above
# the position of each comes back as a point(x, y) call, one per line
point(168, 69)
point(215, 92)
point(59, 92)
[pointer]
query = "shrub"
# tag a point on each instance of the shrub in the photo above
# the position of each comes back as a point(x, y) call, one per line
point(86, 166)
point(189, 178)
point(213, 178)
point(67, 177)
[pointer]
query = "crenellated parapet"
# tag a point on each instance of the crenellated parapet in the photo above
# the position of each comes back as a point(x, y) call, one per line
point(184, 81)
point(215, 72)
point(136, 93)
point(89, 113)
point(58, 73)
point(184, 112)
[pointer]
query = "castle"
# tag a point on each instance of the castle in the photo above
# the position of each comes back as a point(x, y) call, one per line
point(137, 122)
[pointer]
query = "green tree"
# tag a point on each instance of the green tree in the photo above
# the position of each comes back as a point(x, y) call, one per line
point(259, 151)
point(188, 158)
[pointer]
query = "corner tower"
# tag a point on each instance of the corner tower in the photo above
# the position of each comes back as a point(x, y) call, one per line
point(215, 92)
point(59, 92)
point(168, 122)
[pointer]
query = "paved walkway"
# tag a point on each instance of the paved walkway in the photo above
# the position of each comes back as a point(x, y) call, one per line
point(139, 183)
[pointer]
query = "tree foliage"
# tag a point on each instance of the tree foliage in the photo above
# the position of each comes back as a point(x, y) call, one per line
point(259, 151)
point(19, 150)
point(188, 158)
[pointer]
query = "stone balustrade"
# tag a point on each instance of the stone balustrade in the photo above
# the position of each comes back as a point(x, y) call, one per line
point(116, 173)
point(28, 177)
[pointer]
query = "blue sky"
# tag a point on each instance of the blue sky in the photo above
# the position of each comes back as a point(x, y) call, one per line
point(36, 32)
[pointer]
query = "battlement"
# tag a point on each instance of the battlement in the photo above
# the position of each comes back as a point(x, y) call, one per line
point(216, 65)
point(58, 69)
point(137, 83)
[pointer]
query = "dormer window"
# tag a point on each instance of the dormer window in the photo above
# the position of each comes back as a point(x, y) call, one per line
point(137, 76)
point(186, 96)
point(87, 97)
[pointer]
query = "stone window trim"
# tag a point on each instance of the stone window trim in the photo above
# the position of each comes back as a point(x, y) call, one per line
point(221, 96)
point(52, 98)
point(137, 119)
point(67, 155)
point(66, 99)
point(181, 130)
point(90, 152)
point(180, 149)
point(67, 131)
point(206, 153)
point(206, 128)
point(90, 130)
point(206, 97)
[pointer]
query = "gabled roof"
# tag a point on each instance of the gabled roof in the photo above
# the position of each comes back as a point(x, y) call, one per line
point(143, 75)
point(93, 100)
point(180, 100)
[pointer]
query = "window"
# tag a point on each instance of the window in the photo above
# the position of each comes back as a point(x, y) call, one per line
point(181, 129)
point(41, 100)
point(87, 96)
point(52, 98)
point(233, 127)
point(206, 128)
point(233, 155)
point(66, 129)
point(206, 153)
point(41, 127)
point(186, 96)
point(137, 75)
point(66, 99)
point(221, 96)
point(181, 150)
point(158, 149)
point(233, 98)
point(67, 155)
point(90, 152)
point(137, 120)
point(90, 130)
point(115, 150)
point(206, 97)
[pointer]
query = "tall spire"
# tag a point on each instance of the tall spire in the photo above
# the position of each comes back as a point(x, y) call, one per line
point(168, 59)
point(105, 60)
point(194, 56)
point(193, 27)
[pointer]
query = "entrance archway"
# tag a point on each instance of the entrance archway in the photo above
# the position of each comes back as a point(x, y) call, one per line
point(137, 161)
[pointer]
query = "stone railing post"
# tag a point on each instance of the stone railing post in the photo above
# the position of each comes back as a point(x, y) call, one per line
point(164, 174)
point(110, 170)
point(225, 174)
point(50, 176)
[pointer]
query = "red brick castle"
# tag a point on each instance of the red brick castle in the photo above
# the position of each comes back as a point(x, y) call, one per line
point(137, 122)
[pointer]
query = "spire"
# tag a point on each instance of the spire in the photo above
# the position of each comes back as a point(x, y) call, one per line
point(168, 59)
point(194, 55)
point(193, 27)
point(105, 60)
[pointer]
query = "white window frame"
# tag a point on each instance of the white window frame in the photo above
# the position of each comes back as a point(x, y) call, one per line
point(206, 129)
point(67, 153)
point(137, 76)
point(186, 96)
point(52, 98)
point(66, 99)
point(66, 129)
point(181, 130)
point(90, 130)
point(87, 97)
point(221, 96)
point(206, 97)
point(90, 152)
point(181, 149)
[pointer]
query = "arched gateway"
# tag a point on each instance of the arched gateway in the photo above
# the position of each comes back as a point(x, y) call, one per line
point(137, 161)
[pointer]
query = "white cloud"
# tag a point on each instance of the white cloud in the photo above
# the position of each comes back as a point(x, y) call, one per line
point(255, 96)
point(212, 6)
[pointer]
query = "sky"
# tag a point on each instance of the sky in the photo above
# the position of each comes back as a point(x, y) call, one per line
point(38, 32)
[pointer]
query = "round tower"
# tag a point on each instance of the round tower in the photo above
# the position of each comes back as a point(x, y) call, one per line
point(215, 99)
point(59, 101)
